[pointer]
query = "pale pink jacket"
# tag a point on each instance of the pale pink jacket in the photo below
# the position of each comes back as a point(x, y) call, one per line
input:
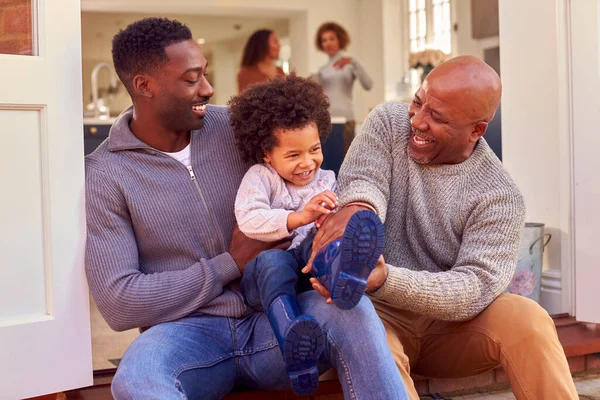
point(264, 201)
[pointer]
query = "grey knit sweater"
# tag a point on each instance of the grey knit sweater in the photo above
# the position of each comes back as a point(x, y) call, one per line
point(452, 231)
point(158, 234)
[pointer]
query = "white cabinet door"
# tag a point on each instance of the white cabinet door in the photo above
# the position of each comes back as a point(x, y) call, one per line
point(585, 42)
point(45, 344)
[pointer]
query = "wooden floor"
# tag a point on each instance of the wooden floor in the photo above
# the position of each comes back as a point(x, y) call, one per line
point(578, 339)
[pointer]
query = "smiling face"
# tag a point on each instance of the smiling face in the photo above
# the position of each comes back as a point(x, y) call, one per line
point(442, 131)
point(451, 110)
point(298, 155)
point(330, 43)
point(183, 90)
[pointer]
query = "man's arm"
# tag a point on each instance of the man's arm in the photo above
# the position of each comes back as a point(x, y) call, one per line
point(364, 179)
point(126, 297)
point(367, 169)
point(485, 265)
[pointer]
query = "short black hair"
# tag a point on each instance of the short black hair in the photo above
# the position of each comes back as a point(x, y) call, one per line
point(284, 102)
point(140, 47)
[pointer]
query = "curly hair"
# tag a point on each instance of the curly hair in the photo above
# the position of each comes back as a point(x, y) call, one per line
point(286, 102)
point(340, 32)
point(257, 47)
point(140, 47)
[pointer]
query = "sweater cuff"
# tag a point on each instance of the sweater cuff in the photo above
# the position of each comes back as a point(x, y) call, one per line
point(355, 194)
point(281, 224)
point(395, 289)
point(225, 268)
point(361, 204)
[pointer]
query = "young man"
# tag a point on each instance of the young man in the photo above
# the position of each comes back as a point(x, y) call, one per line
point(453, 223)
point(163, 252)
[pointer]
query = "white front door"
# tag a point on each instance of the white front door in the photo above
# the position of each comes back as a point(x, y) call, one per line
point(45, 344)
point(585, 44)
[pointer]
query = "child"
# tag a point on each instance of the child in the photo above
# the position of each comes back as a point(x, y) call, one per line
point(280, 126)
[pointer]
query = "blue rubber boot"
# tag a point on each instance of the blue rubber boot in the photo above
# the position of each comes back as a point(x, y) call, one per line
point(301, 342)
point(344, 265)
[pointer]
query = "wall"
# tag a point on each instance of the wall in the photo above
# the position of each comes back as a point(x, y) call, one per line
point(463, 42)
point(361, 18)
point(224, 45)
point(15, 27)
point(370, 41)
point(535, 124)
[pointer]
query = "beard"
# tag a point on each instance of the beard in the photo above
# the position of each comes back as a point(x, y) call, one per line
point(176, 115)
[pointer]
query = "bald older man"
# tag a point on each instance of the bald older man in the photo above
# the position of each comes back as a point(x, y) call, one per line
point(453, 221)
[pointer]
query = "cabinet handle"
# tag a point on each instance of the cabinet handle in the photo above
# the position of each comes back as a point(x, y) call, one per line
point(93, 130)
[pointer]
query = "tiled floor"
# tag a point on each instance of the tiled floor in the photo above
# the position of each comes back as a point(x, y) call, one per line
point(588, 389)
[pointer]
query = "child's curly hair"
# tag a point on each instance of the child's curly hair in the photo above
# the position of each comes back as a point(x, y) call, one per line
point(289, 102)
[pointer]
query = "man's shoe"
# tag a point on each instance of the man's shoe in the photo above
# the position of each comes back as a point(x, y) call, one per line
point(344, 265)
point(301, 341)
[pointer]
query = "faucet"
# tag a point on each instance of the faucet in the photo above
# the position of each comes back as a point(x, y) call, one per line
point(97, 108)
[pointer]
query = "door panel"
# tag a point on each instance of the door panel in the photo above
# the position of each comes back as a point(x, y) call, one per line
point(585, 41)
point(45, 344)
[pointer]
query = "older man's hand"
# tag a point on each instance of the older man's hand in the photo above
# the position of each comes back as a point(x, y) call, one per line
point(330, 228)
point(375, 281)
point(378, 276)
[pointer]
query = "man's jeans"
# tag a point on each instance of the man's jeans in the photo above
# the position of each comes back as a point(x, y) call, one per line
point(204, 357)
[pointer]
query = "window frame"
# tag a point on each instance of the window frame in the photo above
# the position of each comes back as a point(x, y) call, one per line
point(429, 30)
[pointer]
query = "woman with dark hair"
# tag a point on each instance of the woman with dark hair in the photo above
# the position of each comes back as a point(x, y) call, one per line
point(258, 61)
point(338, 75)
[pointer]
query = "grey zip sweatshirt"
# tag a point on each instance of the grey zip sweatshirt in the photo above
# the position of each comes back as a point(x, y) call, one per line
point(158, 232)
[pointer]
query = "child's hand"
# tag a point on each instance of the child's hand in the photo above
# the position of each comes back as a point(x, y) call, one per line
point(322, 203)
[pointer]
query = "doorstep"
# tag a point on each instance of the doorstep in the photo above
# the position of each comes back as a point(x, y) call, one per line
point(580, 341)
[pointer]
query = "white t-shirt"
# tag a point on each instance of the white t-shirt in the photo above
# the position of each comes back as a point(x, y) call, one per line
point(183, 156)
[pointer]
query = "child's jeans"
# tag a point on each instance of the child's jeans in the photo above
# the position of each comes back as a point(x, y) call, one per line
point(277, 272)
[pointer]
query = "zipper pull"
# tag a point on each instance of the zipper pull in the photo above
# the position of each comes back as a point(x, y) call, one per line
point(191, 171)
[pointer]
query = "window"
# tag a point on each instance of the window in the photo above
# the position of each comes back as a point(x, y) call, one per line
point(430, 25)
point(285, 54)
point(442, 36)
point(418, 25)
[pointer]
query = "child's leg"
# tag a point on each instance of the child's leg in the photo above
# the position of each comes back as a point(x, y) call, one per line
point(302, 254)
point(270, 275)
point(269, 281)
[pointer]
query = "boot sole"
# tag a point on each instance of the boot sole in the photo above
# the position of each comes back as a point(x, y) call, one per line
point(303, 345)
point(362, 244)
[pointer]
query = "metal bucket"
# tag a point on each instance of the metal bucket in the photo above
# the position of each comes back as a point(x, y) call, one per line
point(527, 279)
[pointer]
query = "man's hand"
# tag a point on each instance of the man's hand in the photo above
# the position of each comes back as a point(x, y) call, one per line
point(342, 62)
point(378, 276)
point(375, 281)
point(243, 249)
point(331, 228)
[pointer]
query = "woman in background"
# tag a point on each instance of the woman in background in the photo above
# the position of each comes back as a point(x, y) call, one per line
point(258, 61)
point(338, 75)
